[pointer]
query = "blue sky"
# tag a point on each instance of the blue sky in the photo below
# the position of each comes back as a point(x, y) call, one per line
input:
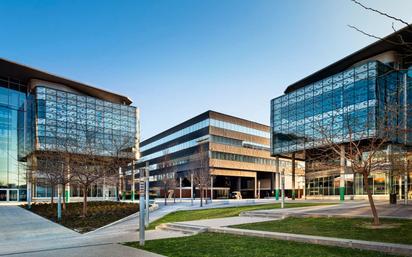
point(176, 59)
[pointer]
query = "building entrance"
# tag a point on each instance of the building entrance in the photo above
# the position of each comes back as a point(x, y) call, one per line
point(9, 195)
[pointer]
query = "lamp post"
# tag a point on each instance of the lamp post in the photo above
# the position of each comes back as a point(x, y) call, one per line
point(141, 209)
point(147, 195)
point(282, 184)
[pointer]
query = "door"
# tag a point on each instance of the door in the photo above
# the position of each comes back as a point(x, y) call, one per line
point(3, 195)
point(13, 195)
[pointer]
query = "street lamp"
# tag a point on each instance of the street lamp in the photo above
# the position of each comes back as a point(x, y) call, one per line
point(282, 179)
point(141, 209)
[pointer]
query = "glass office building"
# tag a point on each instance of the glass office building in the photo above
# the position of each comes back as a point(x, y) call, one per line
point(40, 112)
point(12, 172)
point(357, 98)
point(238, 155)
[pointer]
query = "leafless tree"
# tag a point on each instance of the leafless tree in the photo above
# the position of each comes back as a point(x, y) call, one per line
point(361, 142)
point(201, 170)
point(122, 152)
point(168, 175)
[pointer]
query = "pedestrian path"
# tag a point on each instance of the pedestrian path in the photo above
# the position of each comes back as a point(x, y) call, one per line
point(17, 224)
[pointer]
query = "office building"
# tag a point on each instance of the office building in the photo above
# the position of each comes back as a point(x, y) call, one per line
point(238, 157)
point(350, 99)
point(39, 111)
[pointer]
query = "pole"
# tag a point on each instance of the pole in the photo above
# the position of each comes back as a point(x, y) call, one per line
point(277, 182)
point(282, 185)
point(133, 185)
point(180, 188)
point(342, 173)
point(211, 189)
point(59, 203)
point(191, 188)
point(29, 195)
point(293, 175)
point(141, 209)
point(406, 188)
point(147, 195)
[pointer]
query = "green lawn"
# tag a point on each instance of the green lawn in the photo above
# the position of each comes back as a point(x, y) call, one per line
point(218, 245)
point(351, 228)
point(215, 213)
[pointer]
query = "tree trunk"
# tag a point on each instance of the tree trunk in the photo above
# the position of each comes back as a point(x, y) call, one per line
point(165, 195)
point(52, 195)
point(370, 198)
point(201, 196)
point(84, 201)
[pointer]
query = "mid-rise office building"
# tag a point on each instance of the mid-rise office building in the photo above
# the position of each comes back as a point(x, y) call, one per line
point(350, 100)
point(238, 156)
point(39, 111)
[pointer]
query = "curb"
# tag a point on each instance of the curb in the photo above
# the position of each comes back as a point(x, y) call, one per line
point(151, 209)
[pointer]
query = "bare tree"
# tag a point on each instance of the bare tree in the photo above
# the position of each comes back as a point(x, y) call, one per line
point(201, 170)
point(361, 142)
point(122, 152)
point(168, 176)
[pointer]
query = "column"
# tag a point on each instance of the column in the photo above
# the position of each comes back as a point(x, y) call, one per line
point(211, 188)
point(293, 176)
point(67, 191)
point(272, 184)
point(342, 173)
point(239, 185)
point(255, 185)
point(400, 187)
point(277, 182)
point(191, 187)
point(180, 188)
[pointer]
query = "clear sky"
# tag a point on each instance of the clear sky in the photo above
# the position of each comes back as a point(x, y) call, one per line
point(176, 59)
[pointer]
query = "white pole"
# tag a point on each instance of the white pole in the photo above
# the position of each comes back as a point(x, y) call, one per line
point(406, 188)
point(211, 189)
point(282, 185)
point(191, 187)
point(180, 188)
point(59, 203)
point(133, 185)
point(141, 209)
point(29, 194)
point(147, 195)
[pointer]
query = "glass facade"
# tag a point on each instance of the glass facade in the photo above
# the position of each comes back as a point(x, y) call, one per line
point(204, 124)
point(359, 103)
point(64, 118)
point(12, 99)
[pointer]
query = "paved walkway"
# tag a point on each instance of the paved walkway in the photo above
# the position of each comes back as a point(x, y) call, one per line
point(17, 224)
point(349, 209)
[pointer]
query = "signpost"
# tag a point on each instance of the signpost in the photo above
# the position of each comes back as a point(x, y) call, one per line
point(141, 209)
point(147, 195)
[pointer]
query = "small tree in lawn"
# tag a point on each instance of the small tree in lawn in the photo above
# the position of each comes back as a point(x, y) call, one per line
point(122, 152)
point(49, 169)
point(200, 169)
point(362, 142)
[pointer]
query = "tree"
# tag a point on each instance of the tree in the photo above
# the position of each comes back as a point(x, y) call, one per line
point(168, 175)
point(402, 42)
point(122, 152)
point(49, 168)
point(360, 142)
point(201, 169)
point(89, 167)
